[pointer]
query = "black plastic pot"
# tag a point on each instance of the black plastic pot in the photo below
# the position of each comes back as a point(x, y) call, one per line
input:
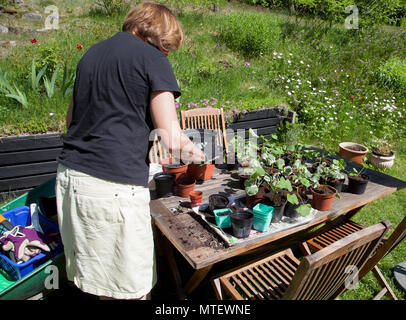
point(164, 182)
point(217, 201)
point(290, 209)
point(336, 185)
point(241, 222)
point(357, 186)
point(278, 212)
point(243, 178)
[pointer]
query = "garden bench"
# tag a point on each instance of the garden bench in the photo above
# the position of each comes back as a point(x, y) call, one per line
point(26, 162)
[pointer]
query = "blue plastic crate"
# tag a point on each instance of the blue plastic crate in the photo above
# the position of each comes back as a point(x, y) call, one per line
point(21, 216)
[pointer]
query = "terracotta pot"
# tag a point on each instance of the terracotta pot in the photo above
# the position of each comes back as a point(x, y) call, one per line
point(323, 201)
point(195, 198)
point(199, 172)
point(382, 162)
point(185, 185)
point(353, 151)
point(169, 165)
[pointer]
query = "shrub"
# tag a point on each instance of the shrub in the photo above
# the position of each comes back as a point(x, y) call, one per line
point(250, 33)
point(110, 7)
point(393, 74)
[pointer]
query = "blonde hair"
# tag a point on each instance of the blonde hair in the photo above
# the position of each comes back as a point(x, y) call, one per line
point(155, 24)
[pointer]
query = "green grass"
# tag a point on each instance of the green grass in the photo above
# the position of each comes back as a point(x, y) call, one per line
point(327, 75)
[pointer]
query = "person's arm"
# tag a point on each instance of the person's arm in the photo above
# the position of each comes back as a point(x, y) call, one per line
point(164, 117)
point(69, 114)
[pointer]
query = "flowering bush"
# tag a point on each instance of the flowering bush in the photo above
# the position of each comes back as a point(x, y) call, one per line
point(338, 107)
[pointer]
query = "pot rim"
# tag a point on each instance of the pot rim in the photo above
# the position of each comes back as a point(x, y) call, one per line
point(387, 158)
point(196, 193)
point(345, 145)
point(324, 195)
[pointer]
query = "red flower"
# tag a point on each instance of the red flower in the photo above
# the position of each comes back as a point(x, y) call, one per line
point(79, 46)
point(33, 40)
point(352, 98)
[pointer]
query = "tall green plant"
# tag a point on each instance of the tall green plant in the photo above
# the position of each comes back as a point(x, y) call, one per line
point(50, 84)
point(68, 81)
point(11, 91)
point(36, 78)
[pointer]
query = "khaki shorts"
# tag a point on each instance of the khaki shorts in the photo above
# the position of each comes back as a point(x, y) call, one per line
point(107, 235)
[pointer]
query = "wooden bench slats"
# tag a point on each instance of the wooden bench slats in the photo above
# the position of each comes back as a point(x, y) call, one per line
point(32, 142)
point(23, 157)
point(16, 171)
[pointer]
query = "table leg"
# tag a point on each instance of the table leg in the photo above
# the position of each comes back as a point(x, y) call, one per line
point(196, 279)
point(168, 252)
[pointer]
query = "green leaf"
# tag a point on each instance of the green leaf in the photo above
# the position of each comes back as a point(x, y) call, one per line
point(292, 198)
point(251, 189)
point(304, 209)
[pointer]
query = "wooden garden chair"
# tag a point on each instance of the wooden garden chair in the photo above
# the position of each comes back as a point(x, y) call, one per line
point(158, 151)
point(320, 276)
point(206, 118)
point(342, 227)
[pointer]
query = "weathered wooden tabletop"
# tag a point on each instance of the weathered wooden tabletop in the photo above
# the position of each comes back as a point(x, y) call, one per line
point(194, 241)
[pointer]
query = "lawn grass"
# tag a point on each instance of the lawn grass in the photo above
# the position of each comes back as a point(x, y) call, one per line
point(324, 74)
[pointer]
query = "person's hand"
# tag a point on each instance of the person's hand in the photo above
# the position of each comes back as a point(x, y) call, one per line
point(191, 153)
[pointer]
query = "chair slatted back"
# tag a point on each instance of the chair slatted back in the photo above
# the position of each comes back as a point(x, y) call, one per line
point(322, 275)
point(158, 151)
point(206, 118)
point(397, 236)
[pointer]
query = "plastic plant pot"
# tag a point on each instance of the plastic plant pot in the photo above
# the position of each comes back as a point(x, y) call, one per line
point(241, 222)
point(323, 197)
point(338, 185)
point(290, 209)
point(353, 151)
point(185, 185)
point(242, 179)
point(178, 169)
point(357, 184)
point(262, 217)
point(195, 198)
point(201, 172)
point(164, 182)
point(217, 201)
point(222, 217)
point(278, 212)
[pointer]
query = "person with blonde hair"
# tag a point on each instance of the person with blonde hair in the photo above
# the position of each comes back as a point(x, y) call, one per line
point(125, 87)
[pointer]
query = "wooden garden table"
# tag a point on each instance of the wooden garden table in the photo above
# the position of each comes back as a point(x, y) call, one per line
point(175, 228)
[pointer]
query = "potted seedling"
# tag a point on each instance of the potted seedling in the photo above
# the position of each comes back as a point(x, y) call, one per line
point(357, 180)
point(332, 175)
point(301, 179)
point(382, 156)
point(323, 196)
point(255, 184)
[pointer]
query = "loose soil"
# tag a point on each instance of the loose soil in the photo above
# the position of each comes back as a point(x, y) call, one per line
point(193, 232)
point(359, 178)
point(356, 148)
point(324, 190)
point(384, 152)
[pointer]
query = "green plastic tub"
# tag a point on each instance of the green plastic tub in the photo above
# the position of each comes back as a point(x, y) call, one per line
point(223, 222)
point(34, 282)
point(262, 217)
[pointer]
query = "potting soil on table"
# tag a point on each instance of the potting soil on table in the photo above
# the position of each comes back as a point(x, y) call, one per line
point(284, 224)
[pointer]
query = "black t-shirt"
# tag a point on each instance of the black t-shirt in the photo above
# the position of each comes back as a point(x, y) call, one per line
point(108, 136)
